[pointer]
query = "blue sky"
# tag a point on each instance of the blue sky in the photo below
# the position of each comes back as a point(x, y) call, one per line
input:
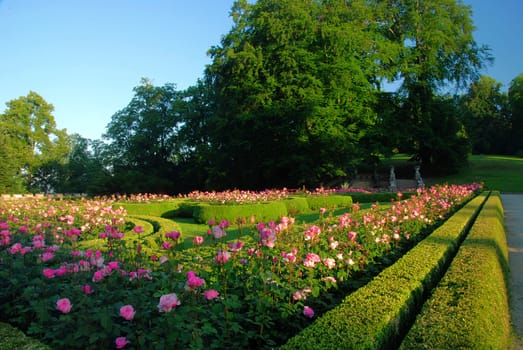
point(85, 57)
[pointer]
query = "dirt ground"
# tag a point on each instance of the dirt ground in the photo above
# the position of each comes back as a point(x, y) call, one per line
point(513, 206)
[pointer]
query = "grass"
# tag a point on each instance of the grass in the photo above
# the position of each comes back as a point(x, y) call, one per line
point(499, 173)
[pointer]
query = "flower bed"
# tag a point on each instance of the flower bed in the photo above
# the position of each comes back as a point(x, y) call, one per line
point(255, 292)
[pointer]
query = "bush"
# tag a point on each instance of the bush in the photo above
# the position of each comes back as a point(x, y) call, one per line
point(271, 211)
point(13, 339)
point(382, 197)
point(296, 205)
point(473, 288)
point(329, 202)
point(378, 314)
point(150, 208)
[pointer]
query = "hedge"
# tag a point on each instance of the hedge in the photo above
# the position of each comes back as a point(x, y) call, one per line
point(271, 211)
point(382, 197)
point(164, 209)
point(161, 227)
point(377, 315)
point(333, 201)
point(12, 338)
point(470, 308)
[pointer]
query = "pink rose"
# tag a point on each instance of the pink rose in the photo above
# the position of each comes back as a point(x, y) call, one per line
point(64, 305)
point(87, 289)
point(211, 294)
point(127, 312)
point(49, 273)
point(121, 342)
point(168, 302)
point(309, 312)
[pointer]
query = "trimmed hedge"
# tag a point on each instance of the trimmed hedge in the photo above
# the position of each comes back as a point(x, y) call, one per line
point(261, 212)
point(12, 338)
point(161, 227)
point(152, 209)
point(333, 201)
point(377, 315)
point(382, 197)
point(470, 308)
point(296, 205)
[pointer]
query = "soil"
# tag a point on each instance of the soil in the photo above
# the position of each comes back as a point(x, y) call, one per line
point(513, 207)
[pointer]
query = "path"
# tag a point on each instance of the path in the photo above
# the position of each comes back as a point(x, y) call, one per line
point(513, 207)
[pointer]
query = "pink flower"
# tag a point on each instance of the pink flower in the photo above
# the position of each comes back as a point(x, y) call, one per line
point(163, 259)
point(47, 256)
point(138, 229)
point(174, 235)
point(49, 273)
point(98, 275)
point(211, 294)
point(15, 248)
point(166, 245)
point(193, 281)
point(308, 312)
point(87, 289)
point(222, 256)
point(197, 240)
point(127, 312)
point(168, 302)
point(64, 305)
point(121, 342)
point(218, 232)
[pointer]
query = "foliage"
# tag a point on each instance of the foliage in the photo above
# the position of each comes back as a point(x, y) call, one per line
point(33, 148)
point(393, 296)
point(486, 116)
point(473, 288)
point(249, 293)
point(515, 96)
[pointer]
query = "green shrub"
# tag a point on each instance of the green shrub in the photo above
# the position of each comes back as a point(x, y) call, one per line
point(378, 314)
point(259, 212)
point(329, 202)
point(382, 197)
point(152, 208)
point(162, 226)
point(296, 205)
point(13, 339)
point(473, 288)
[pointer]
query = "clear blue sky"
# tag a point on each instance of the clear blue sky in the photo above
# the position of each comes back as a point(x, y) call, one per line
point(86, 56)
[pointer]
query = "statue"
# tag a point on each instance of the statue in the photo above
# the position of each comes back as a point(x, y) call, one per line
point(392, 180)
point(417, 177)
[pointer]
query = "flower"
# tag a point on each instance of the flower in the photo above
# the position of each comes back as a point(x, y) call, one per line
point(193, 282)
point(308, 312)
point(168, 302)
point(121, 342)
point(49, 273)
point(87, 289)
point(127, 312)
point(197, 240)
point(64, 305)
point(211, 294)
point(222, 256)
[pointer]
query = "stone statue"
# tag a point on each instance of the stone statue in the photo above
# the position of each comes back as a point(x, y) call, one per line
point(392, 180)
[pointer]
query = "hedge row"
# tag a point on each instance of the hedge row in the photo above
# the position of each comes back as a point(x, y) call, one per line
point(378, 315)
point(12, 338)
point(469, 308)
point(161, 227)
point(382, 197)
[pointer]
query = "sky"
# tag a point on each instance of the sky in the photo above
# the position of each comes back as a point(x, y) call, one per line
point(86, 56)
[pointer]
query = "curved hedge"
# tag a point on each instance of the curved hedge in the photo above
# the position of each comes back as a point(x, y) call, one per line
point(469, 308)
point(333, 201)
point(377, 315)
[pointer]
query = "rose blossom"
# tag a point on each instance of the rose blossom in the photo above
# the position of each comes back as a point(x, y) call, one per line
point(309, 312)
point(168, 302)
point(121, 342)
point(64, 305)
point(127, 312)
point(211, 294)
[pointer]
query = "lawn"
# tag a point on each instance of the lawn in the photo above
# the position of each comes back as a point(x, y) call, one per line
point(502, 173)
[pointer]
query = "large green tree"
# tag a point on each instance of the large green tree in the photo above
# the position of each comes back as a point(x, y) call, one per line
point(33, 148)
point(141, 139)
point(515, 95)
point(438, 53)
point(486, 116)
point(294, 86)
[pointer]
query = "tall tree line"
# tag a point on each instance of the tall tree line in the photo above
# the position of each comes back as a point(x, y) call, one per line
point(293, 97)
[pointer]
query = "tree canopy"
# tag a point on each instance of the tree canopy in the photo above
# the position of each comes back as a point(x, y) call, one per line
point(293, 96)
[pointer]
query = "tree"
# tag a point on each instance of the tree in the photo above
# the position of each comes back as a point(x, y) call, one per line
point(141, 139)
point(32, 145)
point(437, 51)
point(515, 96)
point(485, 115)
point(294, 88)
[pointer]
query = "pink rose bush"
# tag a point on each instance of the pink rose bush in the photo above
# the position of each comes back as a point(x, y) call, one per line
point(277, 273)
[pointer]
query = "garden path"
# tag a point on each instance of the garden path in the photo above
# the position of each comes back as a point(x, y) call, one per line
point(513, 207)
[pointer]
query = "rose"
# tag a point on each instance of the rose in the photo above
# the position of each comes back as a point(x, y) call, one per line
point(307, 311)
point(64, 305)
point(168, 302)
point(211, 294)
point(127, 312)
point(121, 342)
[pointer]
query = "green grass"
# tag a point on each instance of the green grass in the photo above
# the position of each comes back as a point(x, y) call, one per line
point(500, 173)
